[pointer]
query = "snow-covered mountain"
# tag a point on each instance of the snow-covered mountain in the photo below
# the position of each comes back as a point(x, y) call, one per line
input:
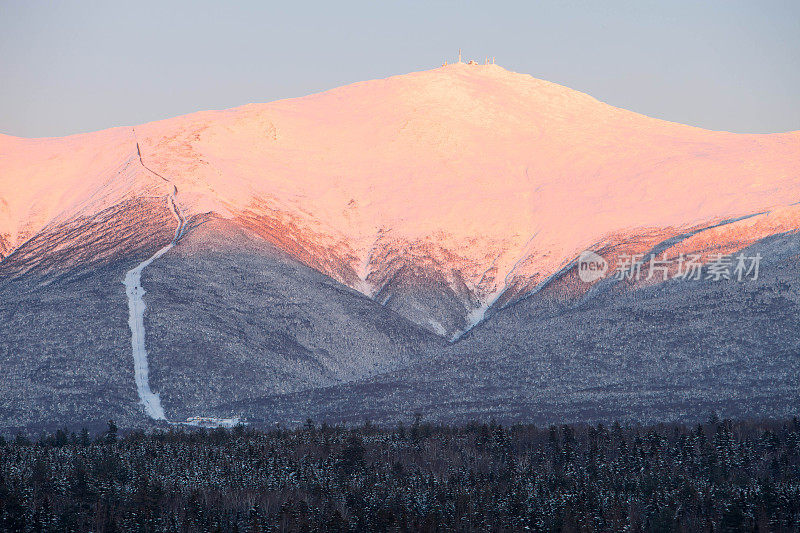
point(442, 196)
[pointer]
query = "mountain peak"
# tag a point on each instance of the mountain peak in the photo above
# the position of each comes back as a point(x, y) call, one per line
point(465, 85)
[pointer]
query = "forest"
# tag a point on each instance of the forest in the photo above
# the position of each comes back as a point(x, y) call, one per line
point(721, 475)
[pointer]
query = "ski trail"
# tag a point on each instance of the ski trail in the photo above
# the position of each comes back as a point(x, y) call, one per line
point(136, 307)
point(133, 288)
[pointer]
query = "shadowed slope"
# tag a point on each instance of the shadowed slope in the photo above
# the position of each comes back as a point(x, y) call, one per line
point(230, 316)
point(676, 351)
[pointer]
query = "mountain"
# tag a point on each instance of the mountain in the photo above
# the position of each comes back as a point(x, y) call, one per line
point(396, 244)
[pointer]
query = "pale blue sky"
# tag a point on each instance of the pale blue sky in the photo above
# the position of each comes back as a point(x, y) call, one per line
point(68, 67)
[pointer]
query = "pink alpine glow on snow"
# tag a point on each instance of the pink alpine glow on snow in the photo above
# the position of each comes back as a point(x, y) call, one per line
point(490, 177)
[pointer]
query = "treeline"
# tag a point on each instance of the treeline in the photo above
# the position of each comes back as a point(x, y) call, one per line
point(718, 476)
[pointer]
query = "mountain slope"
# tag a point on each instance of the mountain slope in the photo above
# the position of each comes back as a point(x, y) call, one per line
point(415, 236)
point(675, 352)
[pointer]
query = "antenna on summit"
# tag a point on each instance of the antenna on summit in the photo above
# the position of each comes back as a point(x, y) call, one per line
point(459, 55)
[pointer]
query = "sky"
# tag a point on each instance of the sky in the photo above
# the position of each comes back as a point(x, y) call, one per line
point(71, 67)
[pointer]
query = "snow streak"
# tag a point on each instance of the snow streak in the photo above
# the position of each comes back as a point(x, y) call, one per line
point(133, 288)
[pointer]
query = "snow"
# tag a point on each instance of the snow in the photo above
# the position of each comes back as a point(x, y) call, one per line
point(497, 175)
point(212, 422)
point(133, 288)
point(476, 160)
point(136, 307)
point(437, 327)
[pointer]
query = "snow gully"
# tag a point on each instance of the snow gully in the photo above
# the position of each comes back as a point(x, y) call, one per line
point(136, 307)
point(133, 288)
